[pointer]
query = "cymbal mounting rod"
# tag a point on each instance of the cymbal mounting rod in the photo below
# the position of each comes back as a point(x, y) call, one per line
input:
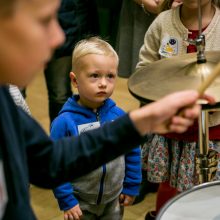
point(200, 17)
point(200, 41)
point(202, 161)
point(206, 159)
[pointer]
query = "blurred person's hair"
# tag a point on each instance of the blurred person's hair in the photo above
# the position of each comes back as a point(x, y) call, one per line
point(7, 7)
point(216, 2)
point(167, 4)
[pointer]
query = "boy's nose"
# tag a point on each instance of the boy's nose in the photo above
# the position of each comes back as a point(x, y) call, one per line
point(102, 82)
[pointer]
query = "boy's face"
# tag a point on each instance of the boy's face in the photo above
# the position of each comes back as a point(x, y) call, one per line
point(95, 79)
point(28, 37)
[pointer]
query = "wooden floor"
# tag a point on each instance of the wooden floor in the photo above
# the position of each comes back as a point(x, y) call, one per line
point(43, 202)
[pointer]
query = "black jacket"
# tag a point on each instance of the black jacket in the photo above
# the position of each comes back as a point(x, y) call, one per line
point(30, 156)
point(78, 19)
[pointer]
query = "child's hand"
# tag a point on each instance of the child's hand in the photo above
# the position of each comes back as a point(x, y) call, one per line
point(126, 200)
point(74, 213)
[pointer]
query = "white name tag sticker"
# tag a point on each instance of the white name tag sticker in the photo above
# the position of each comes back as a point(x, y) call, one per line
point(3, 191)
point(89, 126)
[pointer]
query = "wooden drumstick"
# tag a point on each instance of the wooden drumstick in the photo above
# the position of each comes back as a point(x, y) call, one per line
point(204, 85)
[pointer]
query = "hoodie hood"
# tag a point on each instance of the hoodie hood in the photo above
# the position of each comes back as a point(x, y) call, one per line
point(71, 106)
point(73, 115)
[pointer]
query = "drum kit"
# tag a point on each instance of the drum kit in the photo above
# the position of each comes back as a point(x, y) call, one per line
point(199, 71)
point(199, 203)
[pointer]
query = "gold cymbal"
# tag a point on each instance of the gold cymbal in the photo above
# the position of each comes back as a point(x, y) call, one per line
point(169, 75)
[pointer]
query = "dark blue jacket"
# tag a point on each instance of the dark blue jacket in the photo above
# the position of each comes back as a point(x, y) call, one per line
point(96, 187)
point(30, 156)
point(78, 18)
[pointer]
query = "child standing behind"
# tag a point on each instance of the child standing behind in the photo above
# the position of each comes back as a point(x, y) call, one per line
point(102, 193)
point(170, 159)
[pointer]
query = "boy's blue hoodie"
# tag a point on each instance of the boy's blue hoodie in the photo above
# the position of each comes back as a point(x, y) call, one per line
point(122, 175)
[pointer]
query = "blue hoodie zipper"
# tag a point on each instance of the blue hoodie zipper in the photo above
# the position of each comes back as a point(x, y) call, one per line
point(101, 187)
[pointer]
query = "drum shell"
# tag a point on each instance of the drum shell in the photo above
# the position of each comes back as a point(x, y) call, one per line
point(200, 202)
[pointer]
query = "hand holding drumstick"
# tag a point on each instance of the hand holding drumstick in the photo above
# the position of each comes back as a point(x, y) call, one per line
point(203, 86)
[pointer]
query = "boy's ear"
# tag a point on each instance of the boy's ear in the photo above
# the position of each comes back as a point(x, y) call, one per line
point(73, 79)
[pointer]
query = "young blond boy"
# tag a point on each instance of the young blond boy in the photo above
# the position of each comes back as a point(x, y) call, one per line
point(102, 193)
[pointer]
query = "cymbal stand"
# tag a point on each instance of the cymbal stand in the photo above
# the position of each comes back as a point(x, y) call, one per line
point(207, 159)
point(202, 160)
point(203, 118)
point(199, 42)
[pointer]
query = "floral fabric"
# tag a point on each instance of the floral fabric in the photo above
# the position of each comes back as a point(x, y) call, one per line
point(172, 160)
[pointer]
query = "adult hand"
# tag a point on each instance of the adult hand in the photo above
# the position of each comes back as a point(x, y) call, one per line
point(161, 116)
point(176, 3)
point(152, 6)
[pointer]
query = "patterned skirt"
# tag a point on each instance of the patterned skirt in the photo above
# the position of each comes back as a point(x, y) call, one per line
point(172, 160)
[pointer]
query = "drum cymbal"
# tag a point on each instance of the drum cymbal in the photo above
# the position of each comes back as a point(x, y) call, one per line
point(169, 75)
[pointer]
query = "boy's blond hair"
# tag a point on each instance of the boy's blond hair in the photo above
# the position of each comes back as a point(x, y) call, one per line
point(92, 45)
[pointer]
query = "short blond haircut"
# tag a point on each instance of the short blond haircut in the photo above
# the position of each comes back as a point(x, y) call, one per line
point(92, 45)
